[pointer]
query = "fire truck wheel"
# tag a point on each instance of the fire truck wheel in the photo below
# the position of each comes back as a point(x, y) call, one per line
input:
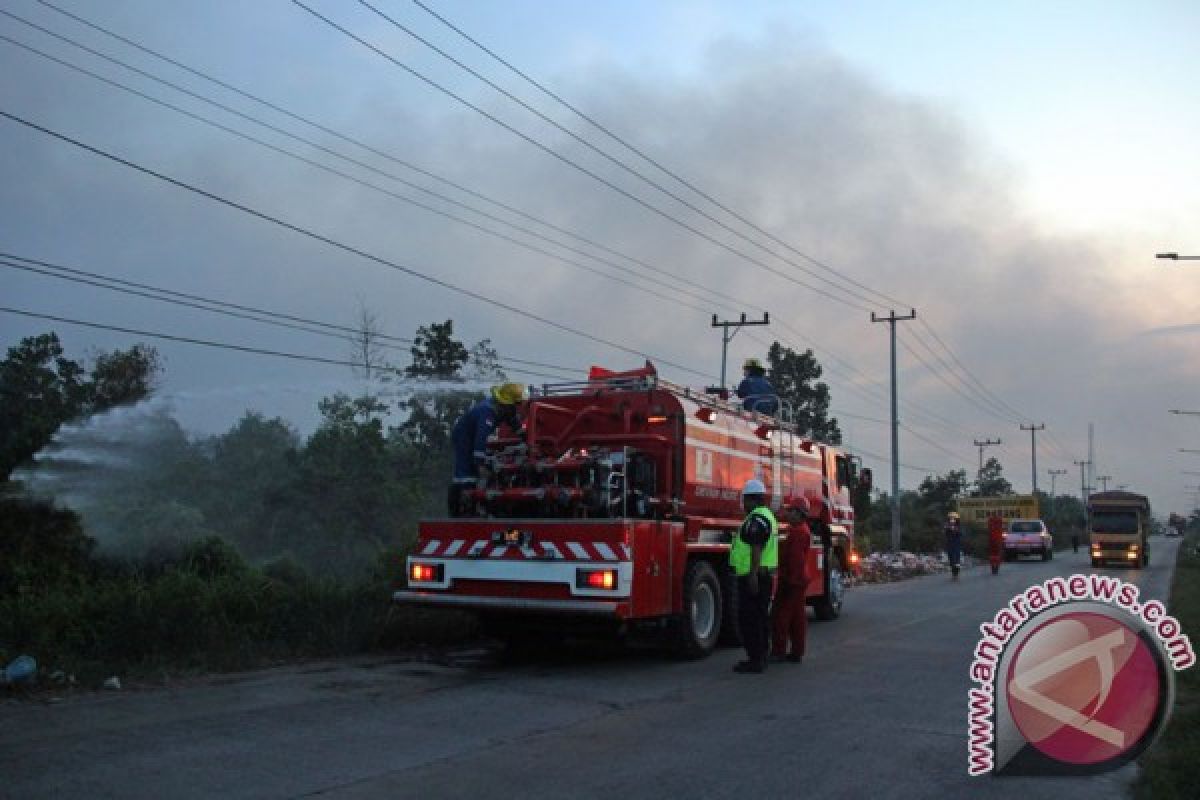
point(829, 606)
point(700, 625)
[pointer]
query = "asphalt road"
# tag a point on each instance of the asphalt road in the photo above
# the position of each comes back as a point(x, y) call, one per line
point(877, 709)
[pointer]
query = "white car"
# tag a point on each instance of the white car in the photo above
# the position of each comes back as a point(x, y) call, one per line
point(1028, 536)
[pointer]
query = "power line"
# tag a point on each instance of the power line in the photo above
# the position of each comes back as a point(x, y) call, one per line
point(961, 391)
point(602, 153)
point(278, 319)
point(344, 137)
point(261, 215)
point(356, 180)
point(650, 160)
point(575, 165)
point(722, 297)
point(995, 397)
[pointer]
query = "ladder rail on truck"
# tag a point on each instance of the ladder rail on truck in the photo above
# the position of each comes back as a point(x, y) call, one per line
point(1118, 528)
point(616, 507)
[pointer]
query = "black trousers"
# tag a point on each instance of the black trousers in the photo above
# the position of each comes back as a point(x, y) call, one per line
point(754, 616)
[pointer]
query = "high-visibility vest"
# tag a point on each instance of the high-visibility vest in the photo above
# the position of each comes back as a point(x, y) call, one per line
point(740, 552)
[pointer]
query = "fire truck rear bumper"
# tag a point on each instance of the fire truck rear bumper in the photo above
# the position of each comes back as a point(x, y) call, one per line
point(600, 608)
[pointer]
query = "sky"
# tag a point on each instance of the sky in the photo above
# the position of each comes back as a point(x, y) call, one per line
point(1006, 170)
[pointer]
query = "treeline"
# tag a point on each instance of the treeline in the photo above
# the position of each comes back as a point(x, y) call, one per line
point(923, 512)
point(155, 549)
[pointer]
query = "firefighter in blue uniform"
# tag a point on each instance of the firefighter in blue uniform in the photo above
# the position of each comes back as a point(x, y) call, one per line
point(756, 391)
point(470, 436)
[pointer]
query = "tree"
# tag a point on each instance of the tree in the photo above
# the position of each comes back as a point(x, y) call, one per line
point(436, 354)
point(991, 481)
point(40, 389)
point(124, 377)
point(940, 491)
point(366, 346)
point(484, 363)
point(795, 378)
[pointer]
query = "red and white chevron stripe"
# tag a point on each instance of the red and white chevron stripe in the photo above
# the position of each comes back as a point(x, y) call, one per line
point(558, 551)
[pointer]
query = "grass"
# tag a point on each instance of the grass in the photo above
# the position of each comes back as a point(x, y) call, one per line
point(1172, 768)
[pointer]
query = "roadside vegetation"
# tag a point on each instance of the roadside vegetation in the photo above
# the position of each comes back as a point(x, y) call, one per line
point(1172, 769)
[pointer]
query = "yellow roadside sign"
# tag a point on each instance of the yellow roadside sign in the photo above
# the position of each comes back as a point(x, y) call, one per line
point(976, 510)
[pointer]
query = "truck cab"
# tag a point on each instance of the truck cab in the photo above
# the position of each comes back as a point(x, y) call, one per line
point(1118, 528)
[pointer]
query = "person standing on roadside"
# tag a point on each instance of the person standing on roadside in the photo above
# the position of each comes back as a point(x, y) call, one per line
point(953, 531)
point(790, 610)
point(753, 557)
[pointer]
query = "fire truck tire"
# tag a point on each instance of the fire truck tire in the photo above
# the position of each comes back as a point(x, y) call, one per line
point(700, 624)
point(829, 605)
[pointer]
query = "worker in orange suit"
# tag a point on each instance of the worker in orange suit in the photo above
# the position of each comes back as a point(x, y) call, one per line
point(995, 541)
point(790, 611)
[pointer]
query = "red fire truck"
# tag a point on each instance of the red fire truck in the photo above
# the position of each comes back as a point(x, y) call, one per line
point(615, 507)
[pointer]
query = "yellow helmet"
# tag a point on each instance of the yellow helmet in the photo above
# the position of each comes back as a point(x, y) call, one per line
point(508, 394)
point(752, 363)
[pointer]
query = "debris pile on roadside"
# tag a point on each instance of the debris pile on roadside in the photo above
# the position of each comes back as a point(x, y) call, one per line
point(889, 567)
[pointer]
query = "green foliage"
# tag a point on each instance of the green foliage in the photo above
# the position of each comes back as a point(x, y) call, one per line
point(40, 390)
point(941, 492)
point(795, 377)
point(209, 610)
point(436, 353)
point(1172, 768)
point(991, 481)
point(124, 377)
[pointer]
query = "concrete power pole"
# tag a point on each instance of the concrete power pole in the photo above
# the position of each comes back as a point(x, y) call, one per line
point(892, 319)
point(1104, 479)
point(727, 337)
point(981, 445)
point(1054, 473)
point(1033, 429)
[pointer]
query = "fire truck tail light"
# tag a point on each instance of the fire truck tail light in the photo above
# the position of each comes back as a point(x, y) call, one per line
point(854, 558)
point(596, 579)
point(425, 573)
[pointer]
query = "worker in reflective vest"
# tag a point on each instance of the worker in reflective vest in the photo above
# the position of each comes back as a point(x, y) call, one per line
point(753, 557)
point(789, 614)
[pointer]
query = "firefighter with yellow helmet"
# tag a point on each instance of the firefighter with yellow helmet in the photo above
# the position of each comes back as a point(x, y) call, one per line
point(470, 434)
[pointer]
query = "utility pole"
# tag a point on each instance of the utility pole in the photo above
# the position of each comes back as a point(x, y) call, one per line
point(1054, 473)
point(1104, 479)
point(892, 319)
point(1033, 429)
point(981, 445)
point(727, 337)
